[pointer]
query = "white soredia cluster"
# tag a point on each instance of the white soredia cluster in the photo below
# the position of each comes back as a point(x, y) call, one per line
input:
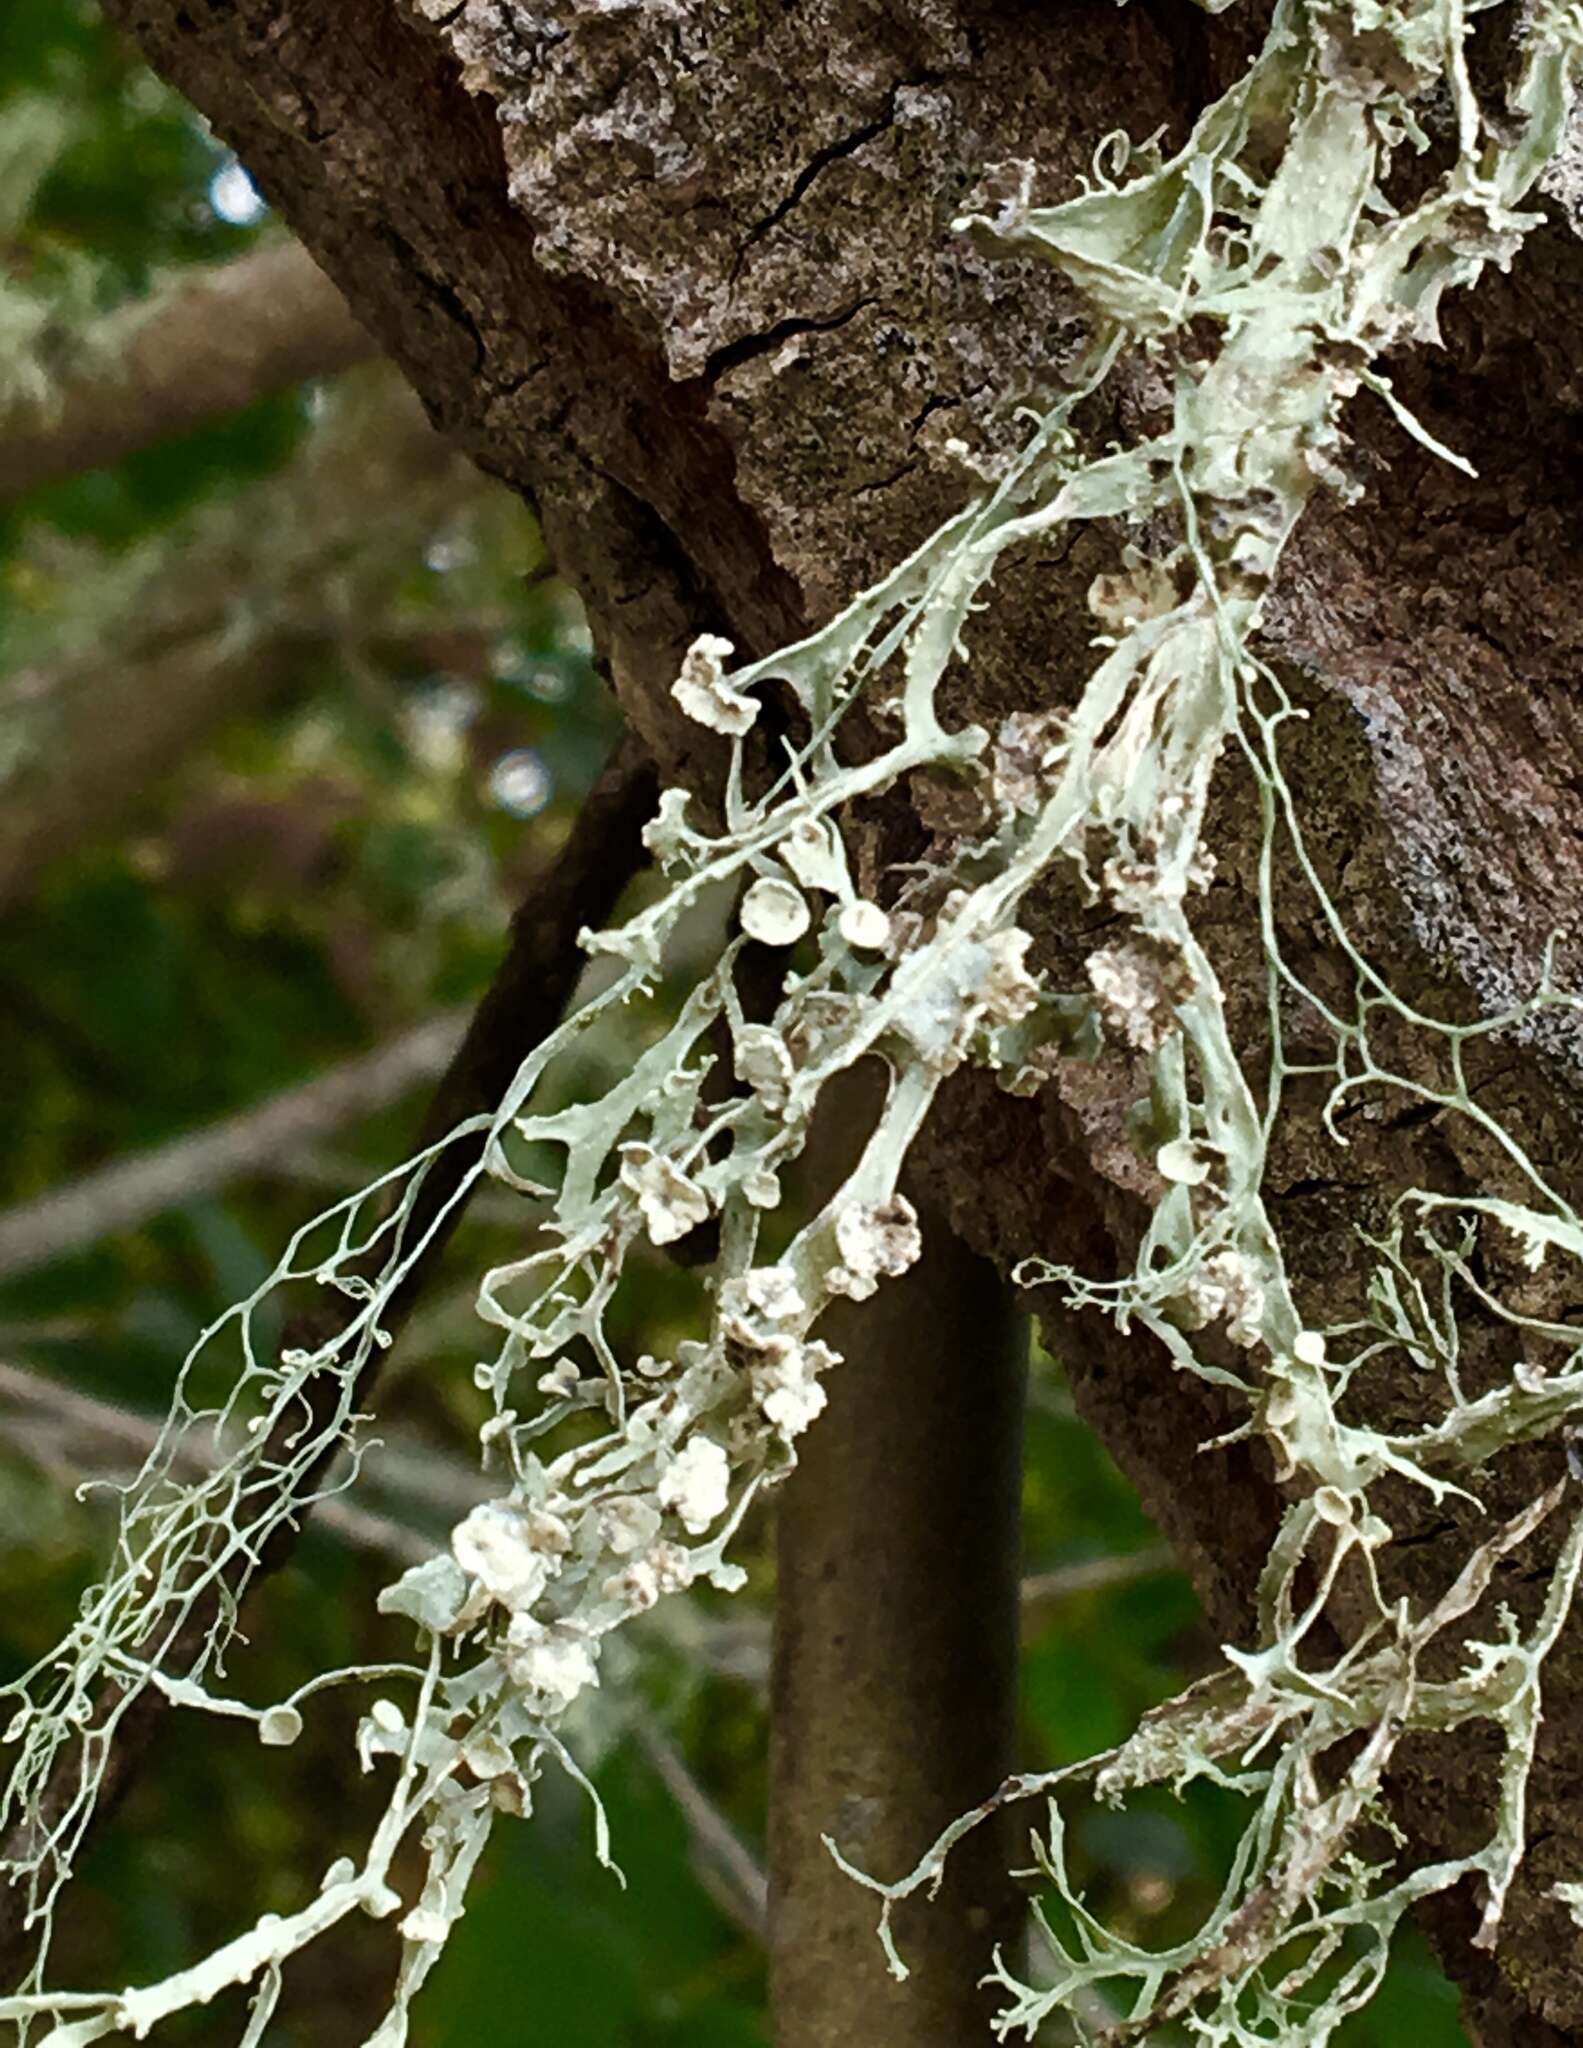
point(1265, 268)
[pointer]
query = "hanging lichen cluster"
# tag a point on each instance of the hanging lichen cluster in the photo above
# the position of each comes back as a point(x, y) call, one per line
point(1272, 232)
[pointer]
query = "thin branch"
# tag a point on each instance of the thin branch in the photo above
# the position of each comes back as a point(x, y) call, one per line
point(1043, 1590)
point(209, 344)
point(129, 1191)
point(725, 1866)
point(81, 1440)
point(602, 851)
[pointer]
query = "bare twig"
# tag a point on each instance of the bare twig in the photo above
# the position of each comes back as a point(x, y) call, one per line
point(1043, 1590)
point(725, 1866)
point(78, 1438)
point(208, 345)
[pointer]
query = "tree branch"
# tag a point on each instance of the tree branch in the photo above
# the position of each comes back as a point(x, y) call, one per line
point(213, 623)
point(894, 1689)
point(129, 1191)
point(725, 1866)
point(76, 1438)
point(1042, 1591)
point(209, 344)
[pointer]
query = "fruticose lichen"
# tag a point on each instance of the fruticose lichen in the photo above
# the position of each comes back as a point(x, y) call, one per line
point(1273, 232)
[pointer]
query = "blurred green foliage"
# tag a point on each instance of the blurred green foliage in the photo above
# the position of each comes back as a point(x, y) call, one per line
point(309, 881)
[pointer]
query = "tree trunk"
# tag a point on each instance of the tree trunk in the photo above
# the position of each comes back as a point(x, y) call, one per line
point(894, 1701)
point(685, 275)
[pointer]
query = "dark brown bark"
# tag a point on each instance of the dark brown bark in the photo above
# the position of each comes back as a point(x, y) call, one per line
point(894, 1697)
point(694, 288)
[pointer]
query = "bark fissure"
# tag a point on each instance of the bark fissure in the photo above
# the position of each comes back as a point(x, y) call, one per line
point(820, 161)
point(748, 347)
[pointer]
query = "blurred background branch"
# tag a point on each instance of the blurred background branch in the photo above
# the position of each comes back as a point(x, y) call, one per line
point(233, 611)
point(126, 1193)
point(206, 345)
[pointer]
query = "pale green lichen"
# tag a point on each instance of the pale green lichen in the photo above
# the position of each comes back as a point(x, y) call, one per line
point(1271, 227)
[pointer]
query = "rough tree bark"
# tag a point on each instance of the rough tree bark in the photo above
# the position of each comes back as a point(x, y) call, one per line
point(684, 274)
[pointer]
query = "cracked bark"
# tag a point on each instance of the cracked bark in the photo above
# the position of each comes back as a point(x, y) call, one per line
point(573, 233)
